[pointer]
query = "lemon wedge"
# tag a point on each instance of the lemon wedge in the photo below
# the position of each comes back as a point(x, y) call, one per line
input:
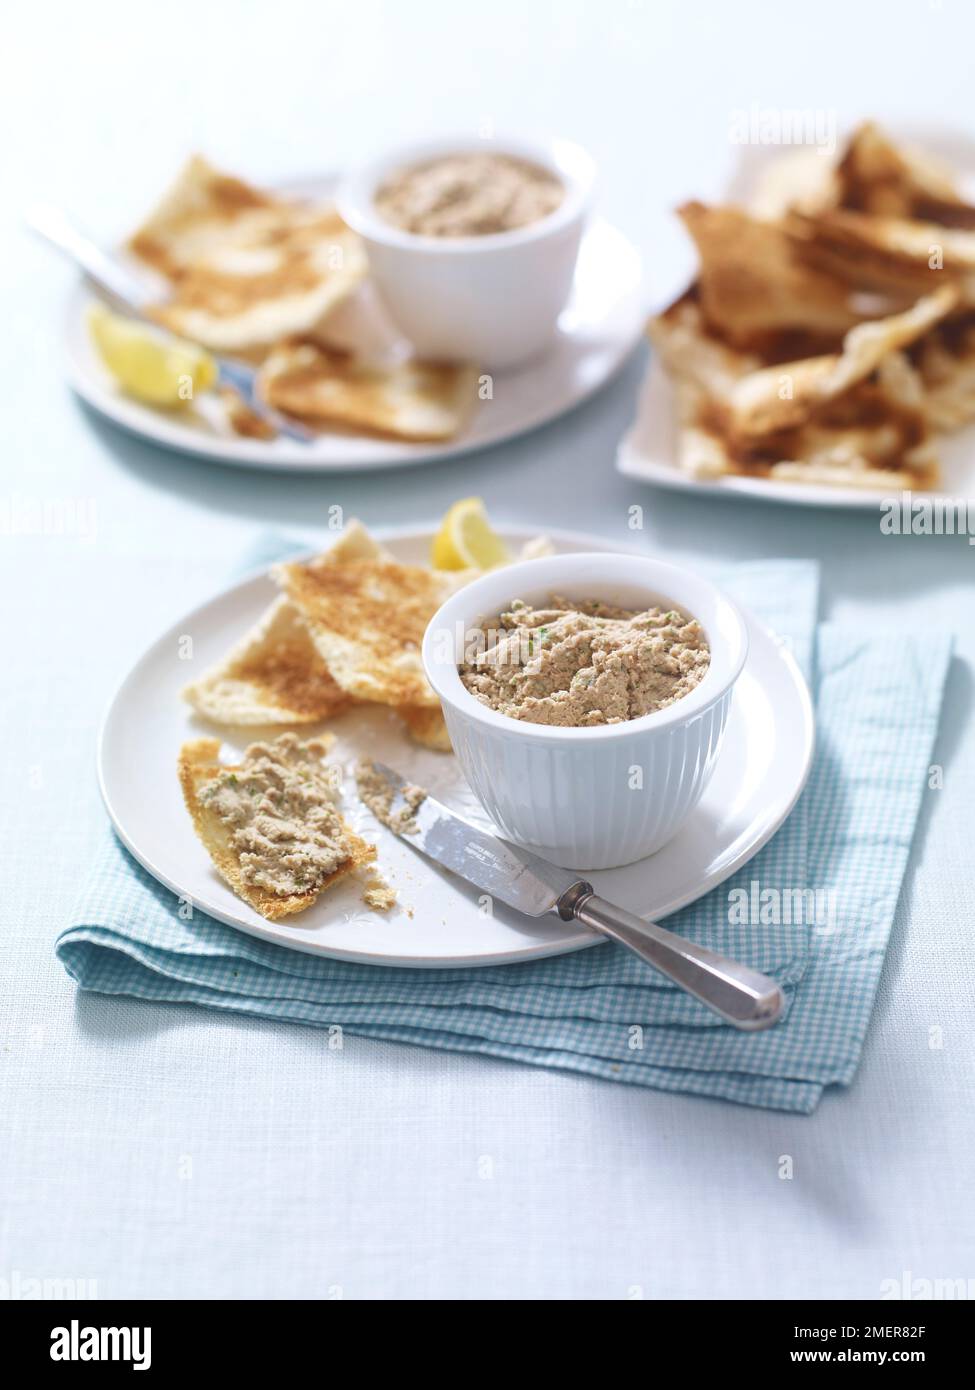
point(466, 541)
point(153, 368)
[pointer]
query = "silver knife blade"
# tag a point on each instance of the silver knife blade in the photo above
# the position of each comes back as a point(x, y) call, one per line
point(515, 877)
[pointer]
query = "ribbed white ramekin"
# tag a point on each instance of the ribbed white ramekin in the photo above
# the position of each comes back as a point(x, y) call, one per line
point(591, 798)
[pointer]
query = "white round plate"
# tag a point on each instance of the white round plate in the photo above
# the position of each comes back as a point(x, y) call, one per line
point(600, 325)
point(648, 451)
point(760, 772)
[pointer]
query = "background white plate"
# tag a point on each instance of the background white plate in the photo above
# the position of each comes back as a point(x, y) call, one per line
point(600, 325)
point(760, 772)
point(648, 450)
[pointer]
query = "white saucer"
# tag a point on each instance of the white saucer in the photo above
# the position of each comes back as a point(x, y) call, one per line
point(601, 324)
point(648, 451)
point(760, 773)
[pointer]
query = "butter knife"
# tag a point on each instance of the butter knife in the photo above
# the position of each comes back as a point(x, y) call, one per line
point(742, 996)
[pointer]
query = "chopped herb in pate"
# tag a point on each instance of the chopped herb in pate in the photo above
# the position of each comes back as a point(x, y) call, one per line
point(280, 809)
point(577, 664)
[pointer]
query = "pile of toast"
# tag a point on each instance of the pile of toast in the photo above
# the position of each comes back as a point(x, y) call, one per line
point(829, 336)
point(346, 629)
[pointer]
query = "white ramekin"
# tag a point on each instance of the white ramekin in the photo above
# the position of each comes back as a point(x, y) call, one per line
point(493, 300)
point(588, 798)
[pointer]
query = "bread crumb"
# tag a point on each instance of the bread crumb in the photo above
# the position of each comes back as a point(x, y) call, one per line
point(377, 893)
point(242, 419)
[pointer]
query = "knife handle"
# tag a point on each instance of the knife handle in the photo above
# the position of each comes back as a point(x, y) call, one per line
point(742, 996)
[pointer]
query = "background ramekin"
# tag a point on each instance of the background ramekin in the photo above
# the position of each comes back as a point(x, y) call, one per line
point(589, 798)
point(493, 300)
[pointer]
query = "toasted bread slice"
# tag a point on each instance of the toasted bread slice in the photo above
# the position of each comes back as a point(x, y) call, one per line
point(888, 254)
point(246, 268)
point(945, 360)
point(426, 726)
point(855, 417)
point(876, 176)
point(202, 210)
point(690, 350)
point(754, 283)
point(355, 543)
point(760, 404)
point(873, 176)
point(367, 619)
point(274, 675)
point(410, 400)
point(198, 764)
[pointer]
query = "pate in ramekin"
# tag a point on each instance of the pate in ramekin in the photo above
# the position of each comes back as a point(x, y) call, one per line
point(597, 795)
point(490, 298)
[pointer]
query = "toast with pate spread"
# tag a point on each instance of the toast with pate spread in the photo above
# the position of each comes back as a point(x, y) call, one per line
point(271, 823)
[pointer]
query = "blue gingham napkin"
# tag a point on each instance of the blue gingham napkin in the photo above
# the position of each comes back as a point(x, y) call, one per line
point(813, 908)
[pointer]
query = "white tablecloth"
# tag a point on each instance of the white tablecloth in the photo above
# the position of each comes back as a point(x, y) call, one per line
point(164, 1151)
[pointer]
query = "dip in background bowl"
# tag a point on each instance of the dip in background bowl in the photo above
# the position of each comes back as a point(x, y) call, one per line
point(475, 193)
point(491, 297)
point(601, 796)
